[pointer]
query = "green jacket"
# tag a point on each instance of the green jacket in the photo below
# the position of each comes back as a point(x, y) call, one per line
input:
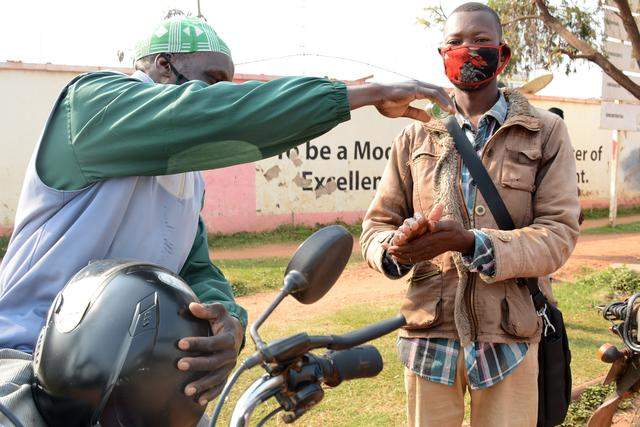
point(111, 125)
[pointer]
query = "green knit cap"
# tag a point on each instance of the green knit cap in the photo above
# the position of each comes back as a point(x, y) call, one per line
point(181, 34)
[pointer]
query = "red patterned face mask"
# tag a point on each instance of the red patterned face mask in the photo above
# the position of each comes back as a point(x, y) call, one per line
point(470, 66)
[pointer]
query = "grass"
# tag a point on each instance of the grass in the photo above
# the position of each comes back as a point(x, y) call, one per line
point(598, 213)
point(632, 227)
point(375, 401)
point(251, 276)
point(282, 234)
point(381, 401)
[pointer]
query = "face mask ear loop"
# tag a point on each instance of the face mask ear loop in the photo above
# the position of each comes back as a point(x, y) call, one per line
point(180, 78)
point(506, 60)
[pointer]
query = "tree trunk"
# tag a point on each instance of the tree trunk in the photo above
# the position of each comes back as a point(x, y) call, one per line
point(587, 51)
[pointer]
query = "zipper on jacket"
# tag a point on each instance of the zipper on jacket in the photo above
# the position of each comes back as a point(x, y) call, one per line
point(471, 277)
point(471, 280)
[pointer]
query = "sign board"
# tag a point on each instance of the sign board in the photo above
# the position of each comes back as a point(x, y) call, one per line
point(621, 56)
point(612, 91)
point(620, 116)
point(336, 172)
point(613, 26)
point(633, 4)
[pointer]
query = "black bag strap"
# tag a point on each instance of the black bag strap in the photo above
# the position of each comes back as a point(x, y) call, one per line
point(491, 196)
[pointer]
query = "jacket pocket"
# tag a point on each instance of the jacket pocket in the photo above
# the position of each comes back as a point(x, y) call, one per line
point(519, 317)
point(422, 305)
point(422, 165)
point(520, 165)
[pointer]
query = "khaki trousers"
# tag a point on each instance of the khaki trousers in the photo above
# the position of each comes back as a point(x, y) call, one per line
point(512, 402)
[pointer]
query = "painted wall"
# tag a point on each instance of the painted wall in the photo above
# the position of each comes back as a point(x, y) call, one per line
point(333, 178)
point(27, 99)
point(299, 189)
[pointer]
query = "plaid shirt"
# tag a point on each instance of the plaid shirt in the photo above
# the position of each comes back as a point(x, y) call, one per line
point(434, 359)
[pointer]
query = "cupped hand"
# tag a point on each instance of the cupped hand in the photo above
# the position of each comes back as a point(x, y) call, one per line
point(416, 226)
point(446, 235)
point(217, 354)
point(396, 99)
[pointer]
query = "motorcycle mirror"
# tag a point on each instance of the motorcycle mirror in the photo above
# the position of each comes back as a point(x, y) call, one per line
point(318, 262)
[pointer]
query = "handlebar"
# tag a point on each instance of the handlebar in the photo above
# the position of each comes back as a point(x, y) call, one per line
point(366, 334)
point(627, 313)
point(343, 365)
point(615, 311)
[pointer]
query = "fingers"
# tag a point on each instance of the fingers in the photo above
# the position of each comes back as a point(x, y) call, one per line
point(442, 226)
point(416, 114)
point(208, 385)
point(435, 94)
point(436, 212)
point(409, 226)
point(211, 394)
point(410, 229)
point(218, 342)
point(208, 363)
point(399, 238)
point(207, 311)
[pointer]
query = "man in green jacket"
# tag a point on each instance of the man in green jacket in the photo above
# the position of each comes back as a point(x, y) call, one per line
point(115, 176)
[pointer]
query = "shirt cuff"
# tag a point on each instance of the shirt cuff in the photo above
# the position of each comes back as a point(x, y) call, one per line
point(393, 268)
point(483, 260)
point(341, 98)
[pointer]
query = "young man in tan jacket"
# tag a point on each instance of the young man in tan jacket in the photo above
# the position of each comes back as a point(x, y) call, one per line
point(469, 325)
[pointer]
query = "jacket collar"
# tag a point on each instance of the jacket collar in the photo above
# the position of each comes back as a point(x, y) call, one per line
point(520, 112)
point(142, 76)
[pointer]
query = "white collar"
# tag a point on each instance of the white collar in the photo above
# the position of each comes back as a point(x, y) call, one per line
point(142, 76)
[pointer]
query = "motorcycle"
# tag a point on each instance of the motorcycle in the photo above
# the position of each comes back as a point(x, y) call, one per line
point(294, 376)
point(625, 363)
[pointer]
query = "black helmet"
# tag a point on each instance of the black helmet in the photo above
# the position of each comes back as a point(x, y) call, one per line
point(108, 352)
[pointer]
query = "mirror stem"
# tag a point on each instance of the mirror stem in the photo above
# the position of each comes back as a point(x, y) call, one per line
point(293, 281)
point(254, 327)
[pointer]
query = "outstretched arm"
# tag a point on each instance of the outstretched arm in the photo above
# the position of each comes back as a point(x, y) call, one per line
point(110, 125)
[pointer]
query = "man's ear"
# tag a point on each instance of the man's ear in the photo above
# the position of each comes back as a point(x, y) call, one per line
point(163, 67)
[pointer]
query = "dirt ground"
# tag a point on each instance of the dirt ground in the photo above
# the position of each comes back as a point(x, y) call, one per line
point(286, 250)
point(359, 284)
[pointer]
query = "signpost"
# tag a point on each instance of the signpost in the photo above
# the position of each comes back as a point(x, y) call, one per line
point(617, 137)
point(621, 56)
point(619, 118)
point(613, 25)
point(622, 112)
point(612, 91)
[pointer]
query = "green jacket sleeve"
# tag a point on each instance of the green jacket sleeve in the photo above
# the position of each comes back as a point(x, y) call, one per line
point(117, 126)
point(206, 280)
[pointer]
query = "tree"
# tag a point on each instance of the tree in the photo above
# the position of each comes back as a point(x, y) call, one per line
point(547, 33)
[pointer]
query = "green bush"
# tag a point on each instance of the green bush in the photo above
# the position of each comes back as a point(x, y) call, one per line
point(239, 287)
point(4, 242)
point(581, 410)
point(619, 281)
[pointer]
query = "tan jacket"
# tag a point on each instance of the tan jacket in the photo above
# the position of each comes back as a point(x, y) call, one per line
point(530, 160)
